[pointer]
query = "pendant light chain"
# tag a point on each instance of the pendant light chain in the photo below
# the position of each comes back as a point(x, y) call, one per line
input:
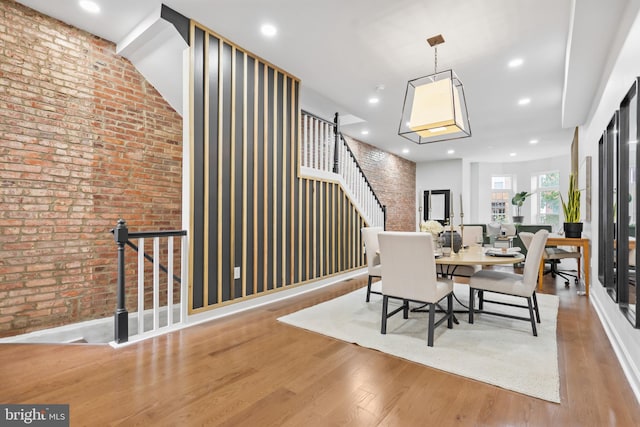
point(435, 65)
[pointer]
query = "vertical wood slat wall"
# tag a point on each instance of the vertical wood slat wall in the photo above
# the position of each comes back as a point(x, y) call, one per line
point(249, 208)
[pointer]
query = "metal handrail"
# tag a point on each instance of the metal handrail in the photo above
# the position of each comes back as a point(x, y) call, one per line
point(361, 171)
point(335, 125)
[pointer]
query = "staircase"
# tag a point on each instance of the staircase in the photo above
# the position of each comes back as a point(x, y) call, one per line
point(324, 154)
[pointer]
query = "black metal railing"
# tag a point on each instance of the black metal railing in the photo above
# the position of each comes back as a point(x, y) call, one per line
point(353, 157)
point(340, 141)
point(121, 236)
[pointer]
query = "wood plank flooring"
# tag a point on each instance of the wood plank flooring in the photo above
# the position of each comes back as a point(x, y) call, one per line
point(251, 370)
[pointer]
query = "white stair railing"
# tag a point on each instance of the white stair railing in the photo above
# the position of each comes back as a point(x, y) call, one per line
point(318, 143)
point(157, 309)
point(318, 159)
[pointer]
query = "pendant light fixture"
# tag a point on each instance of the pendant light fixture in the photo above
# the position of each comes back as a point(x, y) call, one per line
point(435, 108)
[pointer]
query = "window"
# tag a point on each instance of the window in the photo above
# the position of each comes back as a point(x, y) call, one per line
point(546, 206)
point(501, 194)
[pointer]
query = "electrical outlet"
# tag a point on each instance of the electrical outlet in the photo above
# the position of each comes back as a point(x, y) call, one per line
point(236, 273)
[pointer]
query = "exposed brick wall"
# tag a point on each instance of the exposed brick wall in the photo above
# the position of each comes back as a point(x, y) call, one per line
point(85, 140)
point(394, 181)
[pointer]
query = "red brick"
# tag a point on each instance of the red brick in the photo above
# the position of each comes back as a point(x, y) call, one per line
point(85, 140)
point(41, 297)
point(55, 125)
point(396, 188)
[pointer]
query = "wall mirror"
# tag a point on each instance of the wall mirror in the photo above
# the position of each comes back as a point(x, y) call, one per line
point(618, 206)
point(608, 201)
point(602, 162)
point(627, 199)
point(436, 205)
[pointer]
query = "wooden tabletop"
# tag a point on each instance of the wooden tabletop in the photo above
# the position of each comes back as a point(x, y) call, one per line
point(475, 255)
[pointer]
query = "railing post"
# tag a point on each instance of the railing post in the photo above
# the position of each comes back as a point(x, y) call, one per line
point(121, 330)
point(384, 217)
point(336, 135)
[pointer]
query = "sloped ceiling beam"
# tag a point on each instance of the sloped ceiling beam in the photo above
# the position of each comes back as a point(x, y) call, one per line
point(155, 47)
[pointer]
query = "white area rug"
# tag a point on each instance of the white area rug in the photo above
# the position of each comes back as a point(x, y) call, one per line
point(495, 350)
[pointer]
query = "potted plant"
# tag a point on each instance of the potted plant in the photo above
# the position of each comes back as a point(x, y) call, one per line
point(518, 201)
point(571, 209)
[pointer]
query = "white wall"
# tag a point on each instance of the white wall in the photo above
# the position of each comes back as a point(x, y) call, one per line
point(522, 172)
point(440, 175)
point(625, 68)
point(473, 180)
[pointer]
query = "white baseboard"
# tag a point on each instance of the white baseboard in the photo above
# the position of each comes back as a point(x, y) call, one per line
point(100, 331)
point(629, 367)
point(239, 307)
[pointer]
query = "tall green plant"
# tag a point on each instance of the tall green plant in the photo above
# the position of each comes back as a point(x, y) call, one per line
point(572, 207)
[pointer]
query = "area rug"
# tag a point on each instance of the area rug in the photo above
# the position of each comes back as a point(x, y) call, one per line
point(494, 350)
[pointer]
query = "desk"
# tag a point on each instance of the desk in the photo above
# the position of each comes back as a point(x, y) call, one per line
point(579, 242)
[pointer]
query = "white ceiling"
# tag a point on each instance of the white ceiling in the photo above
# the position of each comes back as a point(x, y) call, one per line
point(343, 50)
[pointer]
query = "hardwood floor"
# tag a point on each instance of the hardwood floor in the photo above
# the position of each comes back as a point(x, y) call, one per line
point(251, 370)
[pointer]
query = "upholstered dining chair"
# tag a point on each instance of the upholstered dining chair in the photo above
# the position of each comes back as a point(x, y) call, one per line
point(371, 248)
point(472, 236)
point(554, 256)
point(519, 285)
point(409, 274)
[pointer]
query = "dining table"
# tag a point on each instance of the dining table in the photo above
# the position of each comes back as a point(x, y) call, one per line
point(477, 255)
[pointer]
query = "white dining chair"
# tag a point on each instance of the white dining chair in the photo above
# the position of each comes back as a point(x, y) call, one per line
point(555, 256)
point(519, 285)
point(472, 236)
point(409, 274)
point(371, 249)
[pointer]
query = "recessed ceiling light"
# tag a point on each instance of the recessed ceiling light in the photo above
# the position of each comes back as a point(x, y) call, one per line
point(374, 100)
point(268, 30)
point(89, 6)
point(451, 151)
point(405, 151)
point(365, 132)
point(515, 62)
point(524, 101)
point(512, 154)
point(533, 141)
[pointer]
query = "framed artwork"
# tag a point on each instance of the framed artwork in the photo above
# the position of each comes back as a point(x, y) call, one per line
point(584, 184)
